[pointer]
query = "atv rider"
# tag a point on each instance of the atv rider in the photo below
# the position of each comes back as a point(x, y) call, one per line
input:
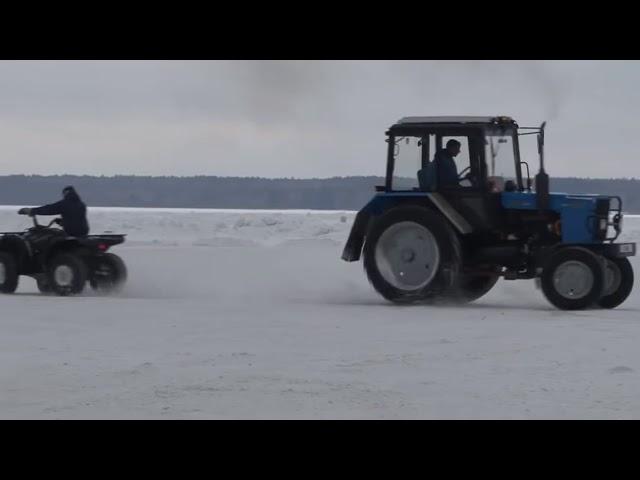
point(71, 208)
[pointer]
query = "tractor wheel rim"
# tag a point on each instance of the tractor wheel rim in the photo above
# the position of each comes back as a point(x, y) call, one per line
point(407, 256)
point(613, 278)
point(63, 275)
point(3, 273)
point(573, 280)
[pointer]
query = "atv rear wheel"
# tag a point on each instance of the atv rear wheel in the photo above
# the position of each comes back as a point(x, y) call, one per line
point(573, 278)
point(67, 274)
point(109, 275)
point(9, 277)
point(411, 255)
point(618, 282)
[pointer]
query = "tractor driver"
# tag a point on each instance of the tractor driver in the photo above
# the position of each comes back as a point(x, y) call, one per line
point(447, 173)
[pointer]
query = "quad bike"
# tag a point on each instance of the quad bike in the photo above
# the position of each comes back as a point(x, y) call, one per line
point(60, 264)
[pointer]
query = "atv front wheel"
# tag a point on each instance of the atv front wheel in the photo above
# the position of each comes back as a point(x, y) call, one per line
point(43, 284)
point(109, 275)
point(618, 281)
point(8, 273)
point(573, 278)
point(67, 274)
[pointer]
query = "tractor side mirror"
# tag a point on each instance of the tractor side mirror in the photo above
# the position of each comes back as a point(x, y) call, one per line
point(541, 138)
point(528, 175)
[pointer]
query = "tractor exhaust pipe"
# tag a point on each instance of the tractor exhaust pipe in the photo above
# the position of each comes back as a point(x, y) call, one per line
point(542, 179)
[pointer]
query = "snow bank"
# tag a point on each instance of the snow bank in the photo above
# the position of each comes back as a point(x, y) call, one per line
point(206, 227)
point(224, 228)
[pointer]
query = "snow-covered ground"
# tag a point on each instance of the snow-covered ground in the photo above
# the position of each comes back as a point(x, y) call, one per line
point(252, 314)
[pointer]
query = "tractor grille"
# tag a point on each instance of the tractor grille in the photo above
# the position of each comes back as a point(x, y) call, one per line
point(602, 206)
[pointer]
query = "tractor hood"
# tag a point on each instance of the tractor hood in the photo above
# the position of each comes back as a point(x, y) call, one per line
point(584, 218)
point(557, 201)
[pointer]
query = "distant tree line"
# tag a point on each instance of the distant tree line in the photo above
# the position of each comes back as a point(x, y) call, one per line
point(339, 193)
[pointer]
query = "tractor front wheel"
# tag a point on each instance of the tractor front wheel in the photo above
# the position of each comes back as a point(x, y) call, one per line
point(573, 278)
point(618, 282)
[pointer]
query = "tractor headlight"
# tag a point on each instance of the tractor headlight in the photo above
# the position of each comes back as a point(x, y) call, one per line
point(603, 224)
point(602, 214)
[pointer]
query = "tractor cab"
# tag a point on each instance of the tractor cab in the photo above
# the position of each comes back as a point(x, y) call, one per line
point(489, 157)
point(488, 163)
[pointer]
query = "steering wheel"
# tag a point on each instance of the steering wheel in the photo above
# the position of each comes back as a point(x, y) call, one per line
point(461, 175)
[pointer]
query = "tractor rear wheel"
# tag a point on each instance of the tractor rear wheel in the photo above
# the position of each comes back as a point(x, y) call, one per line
point(573, 278)
point(618, 282)
point(8, 273)
point(411, 255)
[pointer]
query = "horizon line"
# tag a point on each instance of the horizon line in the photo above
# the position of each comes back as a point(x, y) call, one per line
point(248, 177)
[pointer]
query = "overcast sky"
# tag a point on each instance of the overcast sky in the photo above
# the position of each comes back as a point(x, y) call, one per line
point(300, 118)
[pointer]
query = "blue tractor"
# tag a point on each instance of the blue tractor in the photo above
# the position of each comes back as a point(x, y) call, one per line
point(426, 240)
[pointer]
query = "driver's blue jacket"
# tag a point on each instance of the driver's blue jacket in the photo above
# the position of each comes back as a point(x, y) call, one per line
point(446, 171)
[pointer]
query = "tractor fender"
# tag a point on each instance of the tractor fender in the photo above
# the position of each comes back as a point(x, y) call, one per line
point(353, 247)
point(457, 220)
point(382, 203)
point(434, 200)
point(378, 205)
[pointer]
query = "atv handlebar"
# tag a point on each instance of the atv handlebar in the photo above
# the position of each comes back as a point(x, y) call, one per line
point(57, 221)
point(28, 211)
